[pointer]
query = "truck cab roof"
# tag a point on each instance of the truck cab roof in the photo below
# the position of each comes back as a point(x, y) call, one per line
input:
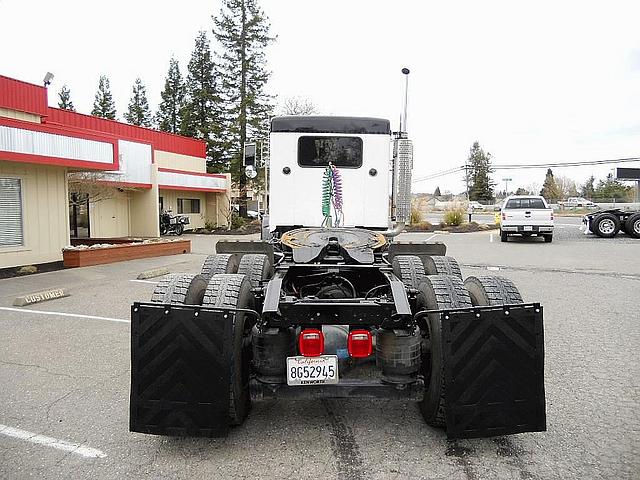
point(325, 124)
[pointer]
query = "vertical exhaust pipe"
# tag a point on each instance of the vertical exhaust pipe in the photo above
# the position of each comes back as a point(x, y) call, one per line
point(401, 173)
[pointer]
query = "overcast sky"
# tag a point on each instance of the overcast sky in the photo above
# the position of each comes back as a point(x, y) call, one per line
point(532, 82)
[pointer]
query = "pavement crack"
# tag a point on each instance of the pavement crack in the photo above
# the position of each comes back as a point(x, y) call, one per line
point(577, 271)
point(31, 365)
point(344, 446)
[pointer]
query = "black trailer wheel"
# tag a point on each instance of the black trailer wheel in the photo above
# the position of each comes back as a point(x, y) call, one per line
point(409, 269)
point(606, 225)
point(256, 267)
point(220, 263)
point(548, 238)
point(234, 291)
point(503, 236)
point(442, 266)
point(489, 290)
point(632, 225)
point(435, 293)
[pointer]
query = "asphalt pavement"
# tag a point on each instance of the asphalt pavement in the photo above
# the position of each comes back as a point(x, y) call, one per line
point(64, 368)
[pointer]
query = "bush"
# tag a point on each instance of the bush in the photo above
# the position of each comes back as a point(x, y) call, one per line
point(238, 222)
point(416, 216)
point(454, 217)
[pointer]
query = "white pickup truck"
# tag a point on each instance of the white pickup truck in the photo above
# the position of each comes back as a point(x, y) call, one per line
point(526, 215)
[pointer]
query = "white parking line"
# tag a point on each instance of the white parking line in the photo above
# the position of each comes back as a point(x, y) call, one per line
point(434, 235)
point(76, 448)
point(62, 314)
point(143, 281)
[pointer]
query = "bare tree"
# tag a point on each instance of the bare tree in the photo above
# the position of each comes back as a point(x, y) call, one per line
point(298, 106)
point(93, 186)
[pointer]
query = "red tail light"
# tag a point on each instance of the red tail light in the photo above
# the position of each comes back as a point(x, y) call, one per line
point(311, 343)
point(359, 343)
point(551, 215)
point(504, 216)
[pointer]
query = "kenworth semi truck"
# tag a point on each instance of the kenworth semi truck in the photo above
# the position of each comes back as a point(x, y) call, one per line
point(329, 304)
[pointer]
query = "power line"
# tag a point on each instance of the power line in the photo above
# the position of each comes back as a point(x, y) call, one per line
point(530, 165)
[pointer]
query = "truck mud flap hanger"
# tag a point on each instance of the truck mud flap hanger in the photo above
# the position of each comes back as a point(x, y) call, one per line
point(182, 361)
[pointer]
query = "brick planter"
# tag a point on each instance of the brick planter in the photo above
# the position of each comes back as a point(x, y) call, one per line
point(119, 253)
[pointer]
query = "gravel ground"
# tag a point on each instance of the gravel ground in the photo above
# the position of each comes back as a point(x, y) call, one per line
point(68, 378)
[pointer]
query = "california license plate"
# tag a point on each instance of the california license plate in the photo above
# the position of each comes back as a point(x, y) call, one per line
point(528, 229)
point(312, 370)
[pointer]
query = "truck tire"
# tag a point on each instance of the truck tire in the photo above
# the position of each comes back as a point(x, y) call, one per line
point(606, 225)
point(548, 238)
point(256, 267)
point(503, 236)
point(489, 290)
point(435, 293)
point(409, 269)
point(220, 263)
point(438, 265)
point(180, 290)
point(229, 290)
point(632, 225)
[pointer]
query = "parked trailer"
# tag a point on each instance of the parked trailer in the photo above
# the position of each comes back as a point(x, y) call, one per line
point(607, 223)
point(337, 308)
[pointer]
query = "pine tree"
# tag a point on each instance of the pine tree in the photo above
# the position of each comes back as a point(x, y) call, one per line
point(612, 189)
point(138, 112)
point(242, 29)
point(550, 190)
point(437, 192)
point(478, 174)
point(588, 189)
point(173, 98)
point(65, 99)
point(103, 105)
point(201, 116)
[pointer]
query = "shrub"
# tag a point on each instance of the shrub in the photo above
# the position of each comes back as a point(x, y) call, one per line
point(238, 222)
point(416, 216)
point(454, 217)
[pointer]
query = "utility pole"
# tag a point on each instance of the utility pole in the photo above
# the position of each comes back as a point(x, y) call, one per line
point(466, 178)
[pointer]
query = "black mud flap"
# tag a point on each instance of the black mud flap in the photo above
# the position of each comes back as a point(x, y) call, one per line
point(181, 361)
point(494, 370)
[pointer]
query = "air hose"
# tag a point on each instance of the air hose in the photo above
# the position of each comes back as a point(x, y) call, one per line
point(331, 195)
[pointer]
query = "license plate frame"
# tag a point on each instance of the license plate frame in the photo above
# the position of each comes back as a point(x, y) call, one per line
point(305, 369)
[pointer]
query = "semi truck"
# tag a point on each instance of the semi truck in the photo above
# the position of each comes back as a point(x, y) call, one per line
point(330, 304)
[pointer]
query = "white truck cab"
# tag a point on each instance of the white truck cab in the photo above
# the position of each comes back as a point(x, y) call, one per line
point(301, 148)
point(526, 215)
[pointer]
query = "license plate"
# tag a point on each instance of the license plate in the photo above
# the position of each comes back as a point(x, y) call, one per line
point(312, 370)
point(528, 229)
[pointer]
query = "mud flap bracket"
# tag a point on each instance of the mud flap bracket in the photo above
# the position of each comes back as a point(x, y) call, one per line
point(181, 360)
point(494, 370)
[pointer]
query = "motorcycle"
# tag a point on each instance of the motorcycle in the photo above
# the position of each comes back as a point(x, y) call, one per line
point(172, 223)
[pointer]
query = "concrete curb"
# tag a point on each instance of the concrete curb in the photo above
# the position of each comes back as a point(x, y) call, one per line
point(154, 272)
point(38, 297)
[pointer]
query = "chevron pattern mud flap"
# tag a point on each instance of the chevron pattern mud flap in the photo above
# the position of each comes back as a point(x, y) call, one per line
point(181, 361)
point(494, 370)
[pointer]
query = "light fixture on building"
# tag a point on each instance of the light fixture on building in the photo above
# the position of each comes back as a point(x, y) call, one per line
point(47, 79)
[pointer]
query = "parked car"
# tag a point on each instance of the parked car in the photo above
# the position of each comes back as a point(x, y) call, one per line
point(578, 202)
point(526, 215)
point(473, 205)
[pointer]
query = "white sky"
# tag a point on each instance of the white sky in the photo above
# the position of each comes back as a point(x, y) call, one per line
point(535, 82)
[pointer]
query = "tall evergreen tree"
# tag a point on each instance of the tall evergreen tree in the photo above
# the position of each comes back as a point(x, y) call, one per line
point(437, 192)
point(65, 99)
point(103, 105)
point(139, 112)
point(612, 189)
point(478, 174)
point(173, 97)
point(242, 29)
point(202, 112)
point(587, 190)
point(550, 190)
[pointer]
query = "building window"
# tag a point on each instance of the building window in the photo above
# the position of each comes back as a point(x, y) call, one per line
point(188, 205)
point(161, 200)
point(11, 233)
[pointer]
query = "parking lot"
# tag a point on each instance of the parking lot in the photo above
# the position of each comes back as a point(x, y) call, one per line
point(64, 371)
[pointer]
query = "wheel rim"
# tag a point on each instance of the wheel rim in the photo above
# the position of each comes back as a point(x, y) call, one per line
point(636, 226)
point(606, 226)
